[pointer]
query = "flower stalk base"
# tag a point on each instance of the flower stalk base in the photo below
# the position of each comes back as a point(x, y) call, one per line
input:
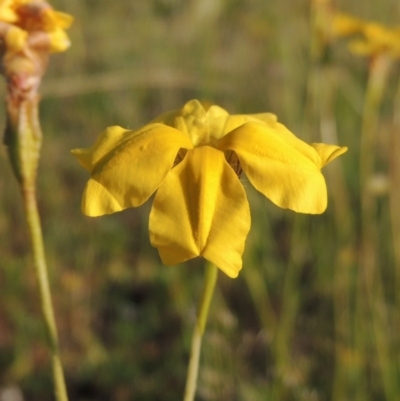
point(202, 314)
point(23, 139)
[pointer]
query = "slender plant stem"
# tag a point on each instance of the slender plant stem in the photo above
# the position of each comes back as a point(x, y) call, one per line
point(23, 138)
point(394, 194)
point(371, 294)
point(285, 330)
point(35, 232)
point(344, 381)
point(202, 314)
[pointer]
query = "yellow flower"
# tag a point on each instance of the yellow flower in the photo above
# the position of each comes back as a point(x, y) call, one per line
point(377, 39)
point(346, 25)
point(27, 18)
point(192, 159)
point(7, 13)
point(29, 31)
point(372, 39)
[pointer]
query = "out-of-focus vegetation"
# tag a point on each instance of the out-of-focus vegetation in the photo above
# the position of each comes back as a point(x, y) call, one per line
point(315, 312)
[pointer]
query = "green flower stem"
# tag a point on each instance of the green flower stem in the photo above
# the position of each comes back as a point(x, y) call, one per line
point(35, 231)
point(347, 376)
point(285, 330)
point(371, 292)
point(202, 314)
point(23, 139)
point(347, 379)
point(394, 194)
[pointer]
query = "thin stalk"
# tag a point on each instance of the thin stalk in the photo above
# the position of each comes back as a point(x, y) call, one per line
point(259, 292)
point(394, 202)
point(202, 314)
point(371, 298)
point(347, 376)
point(23, 139)
point(347, 379)
point(285, 329)
point(394, 193)
point(35, 232)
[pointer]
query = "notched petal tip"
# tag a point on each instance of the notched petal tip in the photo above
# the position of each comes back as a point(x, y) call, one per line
point(171, 255)
point(201, 209)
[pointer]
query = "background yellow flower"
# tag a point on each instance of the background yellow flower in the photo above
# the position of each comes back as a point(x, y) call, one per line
point(377, 40)
point(31, 17)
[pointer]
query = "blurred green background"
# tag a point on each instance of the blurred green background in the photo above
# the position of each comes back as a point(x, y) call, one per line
point(315, 312)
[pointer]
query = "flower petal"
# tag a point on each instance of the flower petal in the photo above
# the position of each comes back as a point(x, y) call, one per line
point(236, 120)
point(59, 41)
point(128, 166)
point(15, 39)
point(7, 14)
point(207, 124)
point(97, 200)
point(221, 123)
point(191, 119)
point(217, 118)
point(346, 25)
point(281, 166)
point(105, 143)
point(327, 153)
point(201, 210)
point(64, 20)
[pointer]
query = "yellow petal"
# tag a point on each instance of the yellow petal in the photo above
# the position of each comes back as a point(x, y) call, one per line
point(191, 119)
point(207, 124)
point(327, 153)
point(236, 120)
point(346, 25)
point(15, 39)
point(220, 122)
point(97, 200)
point(377, 39)
point(7, 14)
point(363, 48)
point(279, 165)
point(64, 20)
point(59, 41)
point(217, 118)
point(128, 167)
point(201, 210)
point(108, 140)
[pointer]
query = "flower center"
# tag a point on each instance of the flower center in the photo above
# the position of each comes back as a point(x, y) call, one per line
point(233, 161)
point(230, 157)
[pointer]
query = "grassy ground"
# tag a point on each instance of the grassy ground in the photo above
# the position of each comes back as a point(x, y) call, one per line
point(315, 312)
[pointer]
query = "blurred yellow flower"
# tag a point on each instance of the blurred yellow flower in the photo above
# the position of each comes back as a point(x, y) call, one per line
point(26, 17)
point(7, 13)
point(192, 158)
point(372, 38)
point(346, 25)
point(29, 31)
point(377, 39)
